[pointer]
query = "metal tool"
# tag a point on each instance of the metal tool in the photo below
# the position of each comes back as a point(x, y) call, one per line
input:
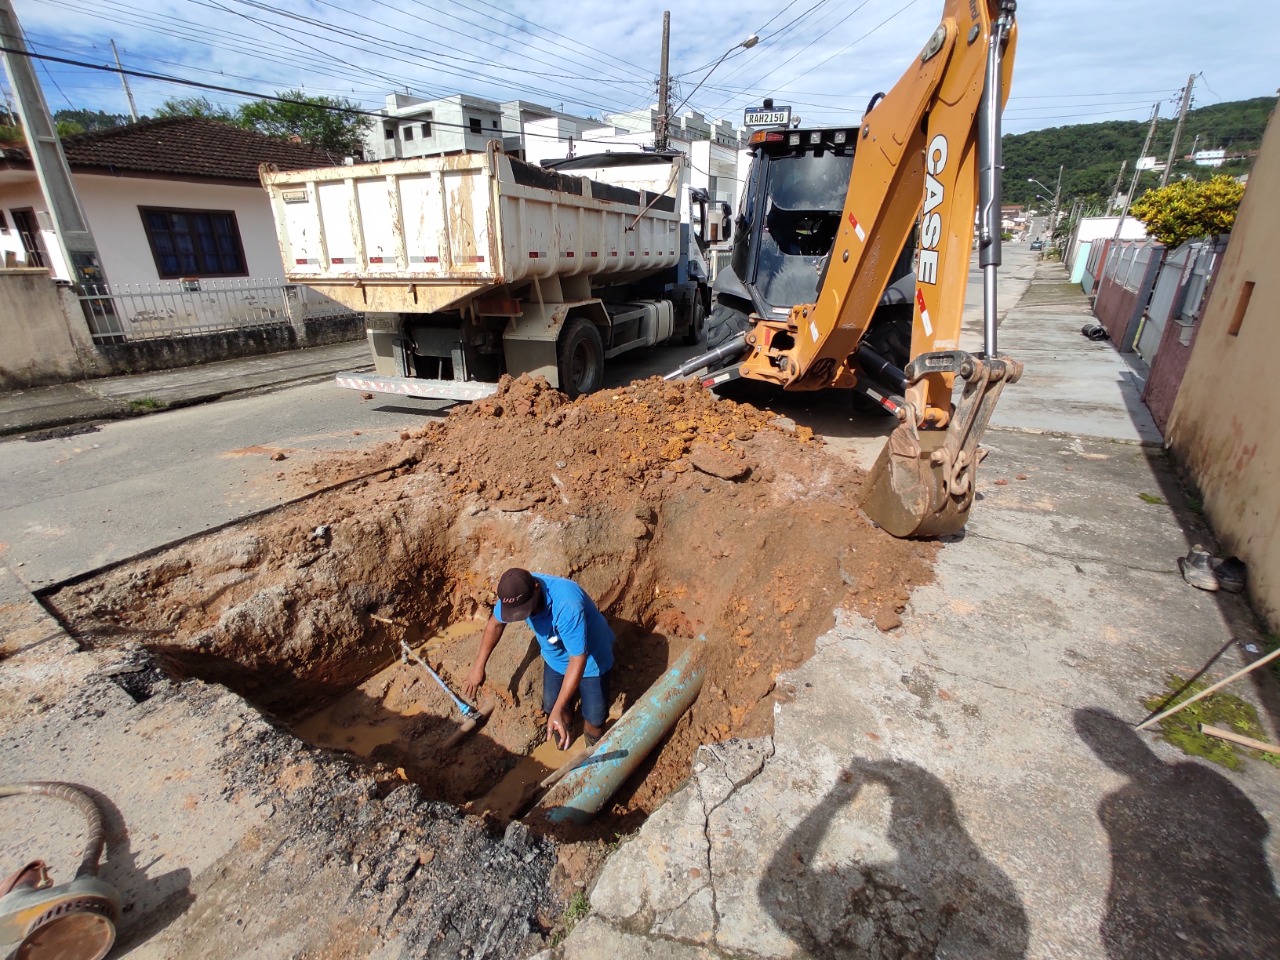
point(70, 921)
point(407, 653)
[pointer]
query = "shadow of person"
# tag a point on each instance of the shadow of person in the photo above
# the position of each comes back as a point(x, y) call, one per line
point(940, 896)
point(1189, 876)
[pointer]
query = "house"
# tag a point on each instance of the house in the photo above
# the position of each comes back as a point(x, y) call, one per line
point(166, 199)
point(1222, 429)
point(187, 246)
point(462, 123)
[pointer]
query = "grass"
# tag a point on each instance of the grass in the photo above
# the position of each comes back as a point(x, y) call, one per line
point(145, 405)
point(1218, 710)
point(579, 906)
point(1152, 498)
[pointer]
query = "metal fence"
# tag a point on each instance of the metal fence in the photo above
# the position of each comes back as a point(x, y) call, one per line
point(1124, 287)
point(1178, 294)
point(187, 308)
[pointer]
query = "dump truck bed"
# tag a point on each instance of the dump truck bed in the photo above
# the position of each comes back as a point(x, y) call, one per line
point(428, 234)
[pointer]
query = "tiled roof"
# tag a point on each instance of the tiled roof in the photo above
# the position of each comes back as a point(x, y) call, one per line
point(186, 147)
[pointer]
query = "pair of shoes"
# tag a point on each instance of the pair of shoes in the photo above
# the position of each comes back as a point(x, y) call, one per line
point(1197, 569)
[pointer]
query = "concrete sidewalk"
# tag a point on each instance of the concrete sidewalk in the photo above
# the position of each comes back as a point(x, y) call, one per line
point(970, 784)
point(112, 398)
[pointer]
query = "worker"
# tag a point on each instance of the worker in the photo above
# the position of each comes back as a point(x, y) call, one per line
point(574, 639)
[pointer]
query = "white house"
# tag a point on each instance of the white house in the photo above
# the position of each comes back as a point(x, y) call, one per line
point(166, 200)
point(176, 208)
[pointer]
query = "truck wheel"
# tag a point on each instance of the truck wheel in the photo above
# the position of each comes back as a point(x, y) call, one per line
point(580, 358)
point(725, 322)
point(697, 321)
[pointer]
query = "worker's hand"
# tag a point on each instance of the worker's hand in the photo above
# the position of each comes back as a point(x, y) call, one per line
point(475, 680)
point(558, 730)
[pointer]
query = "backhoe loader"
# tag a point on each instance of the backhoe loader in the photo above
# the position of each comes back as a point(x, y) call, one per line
point(818, 295)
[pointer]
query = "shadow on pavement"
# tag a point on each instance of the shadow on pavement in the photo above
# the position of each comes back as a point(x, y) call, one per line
point(940, 896)
point(1189, 875)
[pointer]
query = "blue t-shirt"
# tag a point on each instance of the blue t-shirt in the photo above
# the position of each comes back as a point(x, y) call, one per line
point(569, 624)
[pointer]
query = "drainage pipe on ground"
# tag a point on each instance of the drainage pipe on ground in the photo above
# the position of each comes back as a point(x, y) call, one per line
point(584, 792)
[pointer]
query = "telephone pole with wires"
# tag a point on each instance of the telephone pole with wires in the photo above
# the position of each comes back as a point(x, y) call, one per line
point(133, 107)
point(71, 228)
point(662, 138)
point(1137, 172)
point(1177, 131)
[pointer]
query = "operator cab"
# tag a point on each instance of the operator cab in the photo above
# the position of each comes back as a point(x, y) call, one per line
point(790, 213)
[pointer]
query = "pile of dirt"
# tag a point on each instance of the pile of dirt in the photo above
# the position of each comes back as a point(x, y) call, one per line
point(685, 516)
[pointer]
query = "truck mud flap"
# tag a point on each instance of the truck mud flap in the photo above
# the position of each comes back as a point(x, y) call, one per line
point(417, 387)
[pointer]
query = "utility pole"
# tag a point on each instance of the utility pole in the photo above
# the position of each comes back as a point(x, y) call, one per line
point(1137, 171)
point(1057, 198)
point(662, 140)
point(1115, 191)
point(1177, 131)
point(133, 107)
point(70, 226)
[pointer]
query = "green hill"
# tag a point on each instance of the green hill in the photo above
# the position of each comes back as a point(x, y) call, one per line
point(1092, 152)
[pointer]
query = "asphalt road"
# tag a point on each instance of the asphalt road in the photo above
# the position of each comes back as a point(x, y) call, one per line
point(73, 505)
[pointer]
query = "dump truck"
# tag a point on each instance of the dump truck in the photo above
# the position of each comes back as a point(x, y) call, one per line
point(474, 266)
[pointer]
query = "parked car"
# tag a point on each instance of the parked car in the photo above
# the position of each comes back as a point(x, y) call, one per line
point(1037, 244)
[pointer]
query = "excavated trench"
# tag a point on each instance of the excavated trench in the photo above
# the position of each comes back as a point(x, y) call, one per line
point(685, 517)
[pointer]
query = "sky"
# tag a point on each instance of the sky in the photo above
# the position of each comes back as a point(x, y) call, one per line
point(1076, 62)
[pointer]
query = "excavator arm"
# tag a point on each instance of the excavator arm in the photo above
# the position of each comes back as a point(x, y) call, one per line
point(928, 153)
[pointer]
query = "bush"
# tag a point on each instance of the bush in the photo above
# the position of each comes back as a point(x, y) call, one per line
point(1189, 209)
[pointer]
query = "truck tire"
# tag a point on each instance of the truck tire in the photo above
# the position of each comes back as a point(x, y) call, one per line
point(580, 358)
point(697, 322)
point(725, 322)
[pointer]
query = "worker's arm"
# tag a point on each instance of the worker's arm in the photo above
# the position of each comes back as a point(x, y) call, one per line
point(557, 724)
point(492, 634)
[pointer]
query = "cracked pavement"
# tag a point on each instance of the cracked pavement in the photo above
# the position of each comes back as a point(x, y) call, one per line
point(969, 785)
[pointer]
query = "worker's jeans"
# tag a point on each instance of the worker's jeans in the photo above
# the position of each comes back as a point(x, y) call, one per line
point(593, 692)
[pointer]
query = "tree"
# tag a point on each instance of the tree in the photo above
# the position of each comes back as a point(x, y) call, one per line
point(1189, 209)
point(91, 120)
point(327, 122)
point(194, 107)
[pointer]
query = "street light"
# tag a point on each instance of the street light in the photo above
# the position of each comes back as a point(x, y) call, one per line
point(746, 44)
point(1057, 195)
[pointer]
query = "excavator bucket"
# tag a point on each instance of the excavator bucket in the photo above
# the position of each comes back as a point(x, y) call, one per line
point(923, 483)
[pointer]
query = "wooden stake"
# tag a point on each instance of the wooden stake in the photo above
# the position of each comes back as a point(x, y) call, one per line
point(1208, 690)
point(1239, 738)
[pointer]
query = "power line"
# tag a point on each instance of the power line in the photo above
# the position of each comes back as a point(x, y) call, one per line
point(180, 81)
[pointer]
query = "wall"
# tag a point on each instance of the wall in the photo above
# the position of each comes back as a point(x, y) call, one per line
point(44, 338)
point(38, 342)
point(111, 204)
point(1223, 428)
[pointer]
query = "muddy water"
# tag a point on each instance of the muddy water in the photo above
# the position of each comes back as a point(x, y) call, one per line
point(381, 710)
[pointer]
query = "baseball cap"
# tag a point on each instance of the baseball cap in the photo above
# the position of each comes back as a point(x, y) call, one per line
point(518, 591)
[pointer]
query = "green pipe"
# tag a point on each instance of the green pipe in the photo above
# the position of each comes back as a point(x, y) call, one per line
point(584, 792)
